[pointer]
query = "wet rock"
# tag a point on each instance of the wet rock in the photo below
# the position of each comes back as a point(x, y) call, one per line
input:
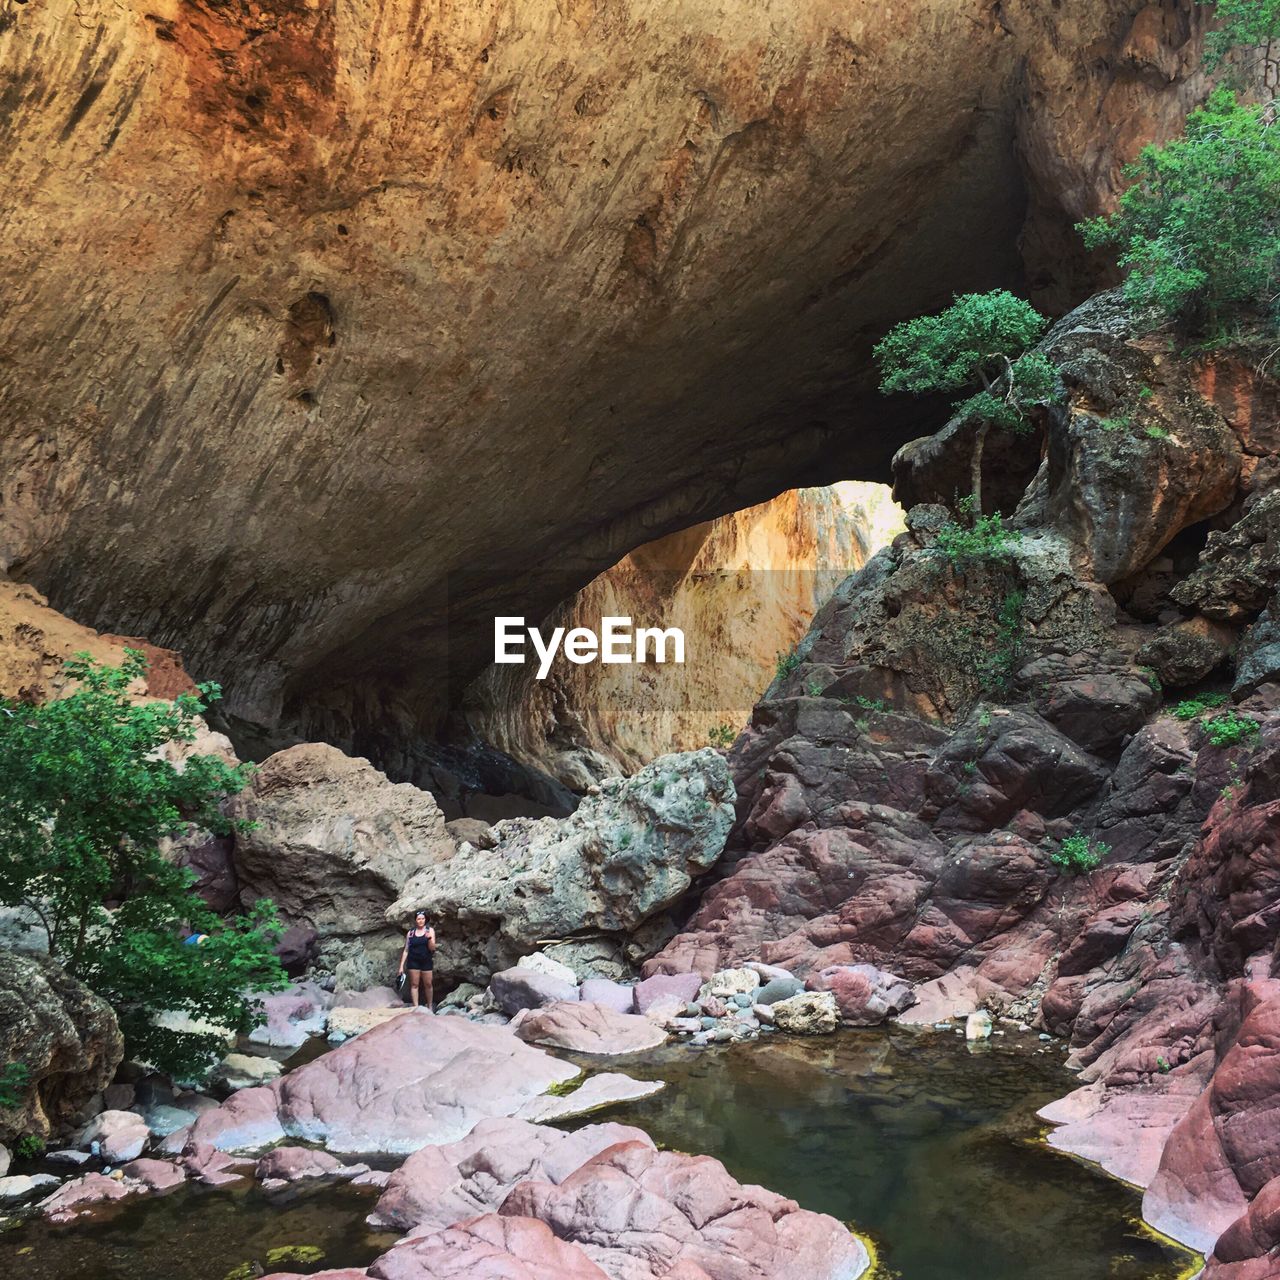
point(489, 1246)
point(865, 996)
point(602, 1090)
point(18, 1187)
point(516, 989)
point(812, 1013)
point(590, 1028)
point(287, 1164)
point(978, 1026)
point(631, 849)
point(65, 1036)
point(155, 1175)
point(413, 1080)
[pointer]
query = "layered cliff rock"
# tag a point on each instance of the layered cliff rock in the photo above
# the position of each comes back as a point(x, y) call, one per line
point(743, 590)
point(312, 310)
point(976, 777)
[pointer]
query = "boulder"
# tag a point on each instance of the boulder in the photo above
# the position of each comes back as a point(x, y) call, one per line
point(590, 1028)
point(65, 1036)
point(1183, 653)
point(1239, 568)
point(778, 989)
point(619, 998)
point(684, 986)
point(540, 963)
point(646, 1214)
point(730, 982)
point(333, 841)
point(632, 848)
point(345, 1023)
point(118, 1135)
point(291, 1017)
point(866, 996)
point(20, 1187)
point(812, 1013)
point(287, 1164)
point(519, 988)
point(244, 1070)
point(440, 1185)
point(605, 1089)
point(416, 1079)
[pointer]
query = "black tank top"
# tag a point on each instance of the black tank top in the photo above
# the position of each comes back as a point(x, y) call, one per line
point(419, 951)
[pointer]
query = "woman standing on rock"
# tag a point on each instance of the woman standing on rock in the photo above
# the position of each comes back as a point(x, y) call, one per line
point(419, 948)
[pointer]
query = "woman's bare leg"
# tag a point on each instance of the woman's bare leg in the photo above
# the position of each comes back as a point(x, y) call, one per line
point(428, 986)
point(415, 976)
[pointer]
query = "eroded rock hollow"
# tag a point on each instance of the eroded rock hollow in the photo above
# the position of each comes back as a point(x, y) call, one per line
point(330, 327)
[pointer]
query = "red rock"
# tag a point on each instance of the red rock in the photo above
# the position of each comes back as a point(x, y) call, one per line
point(619, 998)
point(155, 1175)
point(488, 1248)
point(866, 996)
point(440, 1185)
point(84, 1193)
point(412, 1080)
point(642, 1213)
point(1248, 1248)
point(590, 1028)
point(684, 985)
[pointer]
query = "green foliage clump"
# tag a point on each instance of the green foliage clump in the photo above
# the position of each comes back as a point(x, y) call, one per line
point(998, 670)
point(13, 1084)
point(1228, 729)
point(982, 342)
point(86, 796)
point(1244, 24)
point(723, 736)
point(1191, 708)
point(986, 538)
point(1198, 229)
point(1078, 853)
point(787, 663)
point(1155, 433)
point(29, 1147)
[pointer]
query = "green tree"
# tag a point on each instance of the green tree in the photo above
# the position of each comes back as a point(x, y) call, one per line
point(981, 341)
point(86, 796)
point(1198, 229)
point(1251, 27)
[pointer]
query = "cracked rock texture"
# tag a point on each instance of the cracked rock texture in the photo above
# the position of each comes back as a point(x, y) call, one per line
point(286, 279)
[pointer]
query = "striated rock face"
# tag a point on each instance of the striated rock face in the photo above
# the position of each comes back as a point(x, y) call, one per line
point(64, 1035)
point(953, 732)
point(742, 588)
point(545, 261)
point(333, 843)
point(630, 850)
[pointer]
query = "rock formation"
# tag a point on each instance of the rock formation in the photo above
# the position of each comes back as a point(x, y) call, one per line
point(912, 795)
point(631, 849)
point(742, 588)
point(395, 260)
point(64, 1036)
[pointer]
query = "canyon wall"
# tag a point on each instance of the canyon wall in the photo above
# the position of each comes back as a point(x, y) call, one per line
point(743, 589)
point(312, 309)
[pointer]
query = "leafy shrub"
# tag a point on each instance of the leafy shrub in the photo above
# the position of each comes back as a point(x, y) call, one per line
point(982, 341)
point(29, 1147)
point(1155, 433)
point(86, 795)
point(787, 663)
point(1198, 229)
point(1078, 853)
point(986, 539)
point(1243, 24)
point(1190, 708)
point(1228, 729)
point(723, 736)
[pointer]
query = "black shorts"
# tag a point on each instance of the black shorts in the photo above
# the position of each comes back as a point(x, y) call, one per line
point(421, 968)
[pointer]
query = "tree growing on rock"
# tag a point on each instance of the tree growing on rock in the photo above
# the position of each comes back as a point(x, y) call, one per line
point(1198, 228)
point(983, 342)
point(87, 793)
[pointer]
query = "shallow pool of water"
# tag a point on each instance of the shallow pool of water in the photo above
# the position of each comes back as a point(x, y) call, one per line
point(928, 1146)
point(202, 1234)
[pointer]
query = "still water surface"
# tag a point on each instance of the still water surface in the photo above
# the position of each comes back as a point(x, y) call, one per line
point(911, 1137)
